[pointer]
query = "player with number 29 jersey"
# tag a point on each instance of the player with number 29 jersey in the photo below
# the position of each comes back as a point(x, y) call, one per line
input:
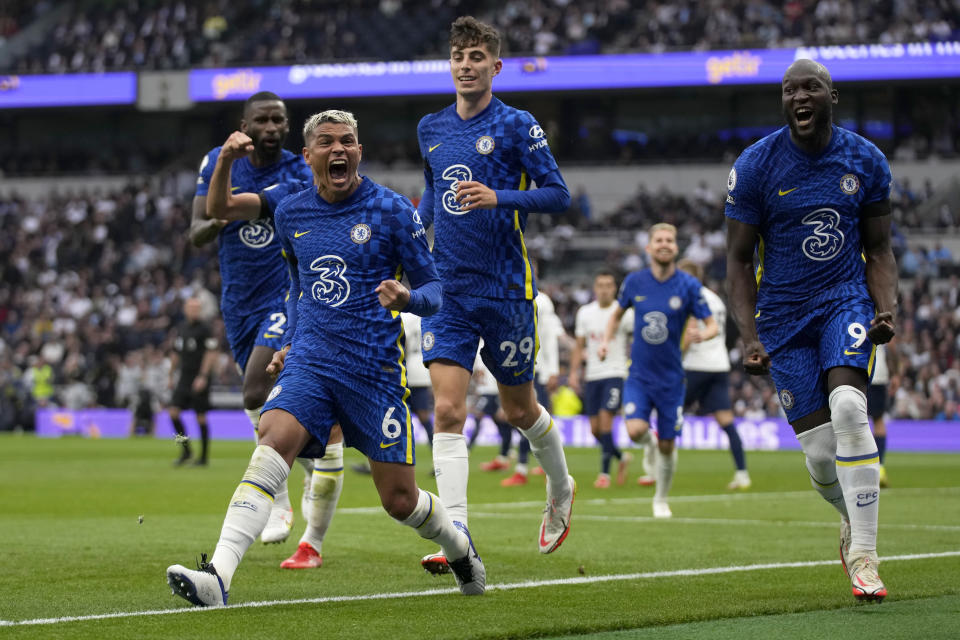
point(811, 279)
point(482, 253)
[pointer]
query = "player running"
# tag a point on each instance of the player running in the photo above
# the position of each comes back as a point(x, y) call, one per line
point(814, 200)
point(662, 298)
point(254, 278)
point(348, 241)
point(324, 480)
point(480, 156)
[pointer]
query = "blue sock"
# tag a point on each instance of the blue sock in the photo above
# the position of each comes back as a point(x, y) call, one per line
point(608, 448)
point(506, 437)
point(523, 451)
point(881, 446)
point(736, 446)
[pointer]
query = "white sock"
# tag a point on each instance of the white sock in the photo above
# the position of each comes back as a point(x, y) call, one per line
point(858, 466)
point(666, 464)
point(431, 521)
point(820, 447)
point(521, 468)
point(546, 444)
point(649, 442)
point(324, 494)
point(452, 463)
point(282, 499)
point(254, 415)
point(249, 510)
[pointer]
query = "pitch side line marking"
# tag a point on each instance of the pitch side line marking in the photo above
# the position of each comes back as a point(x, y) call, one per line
point(529, 584)
point(720, 497)
point(730, 521)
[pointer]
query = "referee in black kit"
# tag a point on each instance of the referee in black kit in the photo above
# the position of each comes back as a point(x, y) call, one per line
point(195, 350)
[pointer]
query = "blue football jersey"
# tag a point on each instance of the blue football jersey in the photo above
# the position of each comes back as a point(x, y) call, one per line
point(344, 250)
point(660, 311)
point(482, 252)
point(807, 209)
point(252, 270)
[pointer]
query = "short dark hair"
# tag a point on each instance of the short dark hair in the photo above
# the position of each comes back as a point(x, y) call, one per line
point(260, 96)
point(467, 31)
point(605, 273)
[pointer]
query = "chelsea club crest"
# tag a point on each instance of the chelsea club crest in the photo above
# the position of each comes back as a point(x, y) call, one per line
point(849, 184)
point(485, 145)
point(360, 233)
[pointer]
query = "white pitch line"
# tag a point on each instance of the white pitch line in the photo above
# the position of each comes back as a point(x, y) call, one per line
point(730, 521)
point(529, 584)
point(718, 497)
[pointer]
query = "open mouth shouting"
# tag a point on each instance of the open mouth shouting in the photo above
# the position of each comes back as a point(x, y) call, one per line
point(338, 171)
point(803, 116)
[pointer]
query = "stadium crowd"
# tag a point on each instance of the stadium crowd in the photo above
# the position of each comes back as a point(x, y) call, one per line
point(93, 282)
point(174, 34)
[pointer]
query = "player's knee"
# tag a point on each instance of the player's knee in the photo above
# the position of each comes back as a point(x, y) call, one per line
point(255, 393)
point(521, 416)
point(399, 504)
point(449, 416)
point(848, 409)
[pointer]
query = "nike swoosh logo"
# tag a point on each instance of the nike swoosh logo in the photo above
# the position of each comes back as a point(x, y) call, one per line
point(639, 298)
point(297, 234)
point(430, 150)
point(866, 504)
point(783, 193)
point(387, 446)
point(519, 373)
point(847, 352)
point(271, 335)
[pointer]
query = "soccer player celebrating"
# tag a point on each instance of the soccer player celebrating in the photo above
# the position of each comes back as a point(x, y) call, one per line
point(324, 480)
point(707, 365)
point(662, 298)
point(252, 272)
point(815, 198)
point(347, 240)
point(479, 156)
point(603, 392)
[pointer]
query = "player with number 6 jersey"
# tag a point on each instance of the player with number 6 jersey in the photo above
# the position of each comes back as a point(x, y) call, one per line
point(812, 199)
point(348, 241)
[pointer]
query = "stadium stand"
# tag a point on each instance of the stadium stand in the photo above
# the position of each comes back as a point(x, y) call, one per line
point(174, 34)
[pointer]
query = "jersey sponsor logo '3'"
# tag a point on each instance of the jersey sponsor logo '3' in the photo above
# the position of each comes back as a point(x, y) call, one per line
point(456, 174)
point(332, 288)
point(826, 240)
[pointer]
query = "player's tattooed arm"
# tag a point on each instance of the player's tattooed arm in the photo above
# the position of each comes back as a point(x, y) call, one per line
point(881, 269)
point(222, 204)
point(742, 289)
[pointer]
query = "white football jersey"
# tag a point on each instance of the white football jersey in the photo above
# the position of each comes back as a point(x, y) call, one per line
point(591, 324)
point(710, 355)
point(881, 373)
point(417, 374)
point(549, 328)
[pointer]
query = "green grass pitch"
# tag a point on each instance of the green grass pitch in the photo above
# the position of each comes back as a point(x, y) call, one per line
point(755, 564)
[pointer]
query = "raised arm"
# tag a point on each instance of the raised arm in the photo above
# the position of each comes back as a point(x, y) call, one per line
point(742, 289)
point(222, 204)
point(881, 269)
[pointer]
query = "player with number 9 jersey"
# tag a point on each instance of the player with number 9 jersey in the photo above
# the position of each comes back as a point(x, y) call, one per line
point(810, 278)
